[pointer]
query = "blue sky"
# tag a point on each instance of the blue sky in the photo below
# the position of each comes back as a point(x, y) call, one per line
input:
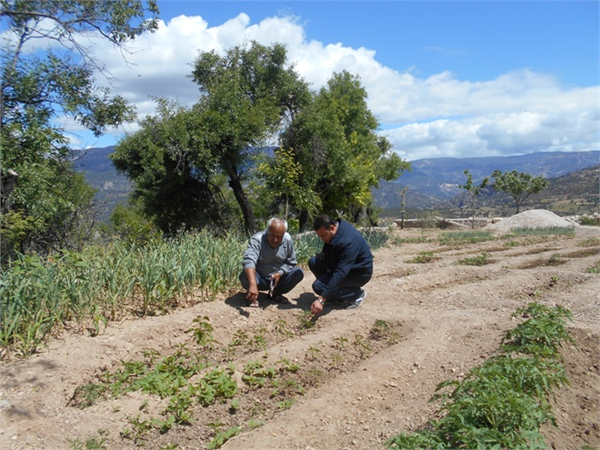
point(445, 79)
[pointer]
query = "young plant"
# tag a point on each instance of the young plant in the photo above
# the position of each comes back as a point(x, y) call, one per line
point(479, 260)
point(502, 403)
point(382, 330)
point(306, 322)
point(223, 437)
point(287, 366)
point(255, 374)
point(282, 327)
point(202, 331)
point(422, 258)
point(312, 353)
point(286, 404)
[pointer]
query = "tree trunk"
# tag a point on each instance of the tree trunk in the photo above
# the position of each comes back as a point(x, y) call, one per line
point(303, 219)
point(238, 191)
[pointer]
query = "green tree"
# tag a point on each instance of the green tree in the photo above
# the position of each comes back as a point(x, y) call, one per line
point(281, 177)
point(248, 96)
point(519, 185)
point(176, 178)
point(474, 191)
point(40, 84)
point(342, 158)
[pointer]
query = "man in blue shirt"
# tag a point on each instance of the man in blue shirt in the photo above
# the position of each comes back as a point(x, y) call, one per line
point(270, 264)
point(343, 267)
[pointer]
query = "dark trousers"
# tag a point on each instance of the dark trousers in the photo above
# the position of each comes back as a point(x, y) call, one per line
point(287, 282)
point(349, 290)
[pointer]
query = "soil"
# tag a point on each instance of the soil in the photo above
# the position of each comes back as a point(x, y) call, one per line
point(365, 374)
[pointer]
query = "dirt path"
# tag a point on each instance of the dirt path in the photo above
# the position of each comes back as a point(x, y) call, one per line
point(444, 319)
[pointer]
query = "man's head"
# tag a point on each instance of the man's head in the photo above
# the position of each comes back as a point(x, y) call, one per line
point(325, 227)
point(276, 229)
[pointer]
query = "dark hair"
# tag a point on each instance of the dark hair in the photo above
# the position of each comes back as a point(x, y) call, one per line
point(323, 221)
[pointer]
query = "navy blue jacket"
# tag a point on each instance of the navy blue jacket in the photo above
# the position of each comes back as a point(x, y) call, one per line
point(347, 254)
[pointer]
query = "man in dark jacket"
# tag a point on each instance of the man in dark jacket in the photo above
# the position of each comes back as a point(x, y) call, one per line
point(343, 267)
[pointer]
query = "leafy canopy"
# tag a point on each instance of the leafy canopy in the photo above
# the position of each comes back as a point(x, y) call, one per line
point(40, 84)
point(519, 185)
point(336, 143)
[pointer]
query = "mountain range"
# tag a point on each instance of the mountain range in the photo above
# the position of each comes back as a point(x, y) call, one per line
point(432, 183)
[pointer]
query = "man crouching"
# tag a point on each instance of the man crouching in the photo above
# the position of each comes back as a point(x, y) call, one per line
point(270, 264)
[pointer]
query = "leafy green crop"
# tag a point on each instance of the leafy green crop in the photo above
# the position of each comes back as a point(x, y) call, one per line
point(502, 403)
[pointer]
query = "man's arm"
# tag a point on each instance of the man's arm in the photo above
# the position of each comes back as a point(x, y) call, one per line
point(252, 293)
point(250, 259)
point(345, 261)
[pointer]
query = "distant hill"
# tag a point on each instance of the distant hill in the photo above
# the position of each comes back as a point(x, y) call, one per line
point(574, 193)
point(434, 180)
point(99, 172)
point(430, 184)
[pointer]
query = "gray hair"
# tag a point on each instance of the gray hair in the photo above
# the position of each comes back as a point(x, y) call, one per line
point(277, 220)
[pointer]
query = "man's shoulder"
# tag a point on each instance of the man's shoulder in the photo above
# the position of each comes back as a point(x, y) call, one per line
point(258, 236)
point(346, 228)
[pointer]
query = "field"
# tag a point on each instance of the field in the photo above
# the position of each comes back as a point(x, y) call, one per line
point(438, 306)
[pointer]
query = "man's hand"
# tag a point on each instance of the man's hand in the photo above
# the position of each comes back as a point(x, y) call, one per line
point(276, 277)
point(317, 307)
point(252, 293)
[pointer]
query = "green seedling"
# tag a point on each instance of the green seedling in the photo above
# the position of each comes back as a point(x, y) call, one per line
point(223, 437)
point(382, 330)
point(287, 366)
point(480, 260)
point(306, 321)
point(286, 404)
point(164, 425)
point(240, 339)
point(255, 374)
point(362, 345)
point(421, 258)
point(202, 332)
point(255, 424)
point(340, 342)
point(282, 327)
point(285, 388)
point(313, 353)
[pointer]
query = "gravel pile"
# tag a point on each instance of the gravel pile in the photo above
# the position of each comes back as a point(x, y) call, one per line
point(535, 218)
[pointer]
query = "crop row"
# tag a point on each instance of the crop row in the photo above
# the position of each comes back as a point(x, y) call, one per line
point(89, 289)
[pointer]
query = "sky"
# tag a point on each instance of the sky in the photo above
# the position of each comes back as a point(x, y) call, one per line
point(444, 79)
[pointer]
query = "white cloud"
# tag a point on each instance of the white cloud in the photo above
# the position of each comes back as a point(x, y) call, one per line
point(515, 113)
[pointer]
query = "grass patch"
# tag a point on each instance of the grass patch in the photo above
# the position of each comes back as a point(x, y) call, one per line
point(422, 258)
point(465, 237)
point(552, 231)
point(589, 221)
point(591, 242)
point(553, 260)
point(583, 253)
point(595, 268)
point(480, 260)
point(397, 240)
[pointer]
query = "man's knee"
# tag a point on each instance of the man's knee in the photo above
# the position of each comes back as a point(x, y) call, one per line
point(296, 275)
point(318, 287)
